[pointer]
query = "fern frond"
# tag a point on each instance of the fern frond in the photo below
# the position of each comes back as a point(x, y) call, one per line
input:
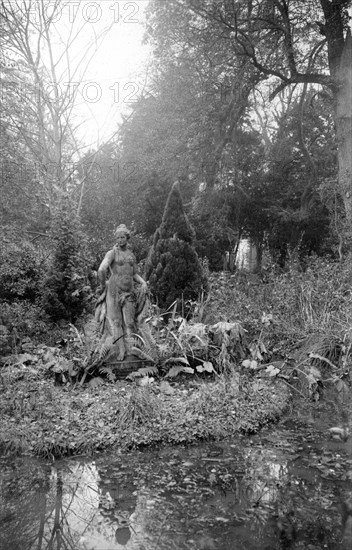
point(146, 371)
point(174, 371)
point(109, 373)
point(145, 346)
point(103, 350)
point(138, 339)
point(142, 355)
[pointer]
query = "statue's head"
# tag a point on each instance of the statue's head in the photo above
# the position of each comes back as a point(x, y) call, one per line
point(122, 229)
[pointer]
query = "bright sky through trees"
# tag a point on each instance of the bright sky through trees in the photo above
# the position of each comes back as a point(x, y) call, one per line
point(120, 65)
point(115, 77)
point(115, 74)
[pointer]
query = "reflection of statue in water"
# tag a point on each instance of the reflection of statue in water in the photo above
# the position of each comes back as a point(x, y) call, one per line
point(121, 304)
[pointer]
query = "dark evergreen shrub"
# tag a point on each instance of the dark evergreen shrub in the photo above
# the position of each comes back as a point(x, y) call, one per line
point(173, 269)
point(66, 291)
point(21, 270)
point(25, 318)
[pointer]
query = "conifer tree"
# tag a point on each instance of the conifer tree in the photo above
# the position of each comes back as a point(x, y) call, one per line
point(66, 292)
point(173, 269)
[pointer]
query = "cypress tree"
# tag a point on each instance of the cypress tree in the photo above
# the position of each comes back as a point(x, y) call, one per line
point(173, 269)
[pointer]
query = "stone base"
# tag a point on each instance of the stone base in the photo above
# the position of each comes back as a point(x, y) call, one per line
point(130, 364)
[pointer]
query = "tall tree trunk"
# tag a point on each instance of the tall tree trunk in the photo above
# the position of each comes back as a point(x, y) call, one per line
point(344, 126)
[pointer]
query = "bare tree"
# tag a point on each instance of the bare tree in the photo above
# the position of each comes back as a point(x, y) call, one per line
point(46, 79)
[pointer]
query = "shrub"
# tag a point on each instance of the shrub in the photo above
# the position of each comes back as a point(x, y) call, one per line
point(21, 271)
point(26, 319)
point(173, 268)
point(66, 290)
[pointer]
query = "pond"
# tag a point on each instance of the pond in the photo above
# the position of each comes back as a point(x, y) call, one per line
point(281, 488)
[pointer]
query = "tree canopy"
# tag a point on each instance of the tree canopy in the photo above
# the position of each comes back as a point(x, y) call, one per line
point(243, 106)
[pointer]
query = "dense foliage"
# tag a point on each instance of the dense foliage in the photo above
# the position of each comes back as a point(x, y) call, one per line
point(66, 291)
point(21, 269)
point(173, 269)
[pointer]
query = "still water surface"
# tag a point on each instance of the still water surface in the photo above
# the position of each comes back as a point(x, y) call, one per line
point(282, 488)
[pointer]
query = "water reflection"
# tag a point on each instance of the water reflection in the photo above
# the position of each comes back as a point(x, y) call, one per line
point(255, 494)
point(63, 507)
point(85, 513)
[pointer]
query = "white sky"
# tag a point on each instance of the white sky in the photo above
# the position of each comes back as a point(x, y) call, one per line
point(119, 68)
point(116, 74)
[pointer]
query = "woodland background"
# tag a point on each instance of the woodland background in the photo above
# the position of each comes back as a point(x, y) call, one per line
point(247, 105)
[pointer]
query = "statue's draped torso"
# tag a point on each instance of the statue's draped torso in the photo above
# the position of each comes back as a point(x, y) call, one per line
point(123, 268)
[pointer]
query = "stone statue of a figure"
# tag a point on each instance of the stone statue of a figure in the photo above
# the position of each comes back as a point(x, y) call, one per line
point(123, 296)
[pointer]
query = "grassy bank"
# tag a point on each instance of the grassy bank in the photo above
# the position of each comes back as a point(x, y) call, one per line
point(41, 419)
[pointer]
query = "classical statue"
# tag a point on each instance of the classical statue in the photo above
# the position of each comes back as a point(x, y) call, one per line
point(124, 294)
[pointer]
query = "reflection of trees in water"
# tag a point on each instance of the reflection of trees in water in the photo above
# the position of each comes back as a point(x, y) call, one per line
point(85, 512)
point(294, 501)
point(253, 494)
point(62, 509)
point(266, 470)
point(25, 499)
point(85, 506)
point(117, 502)
point(77, 506)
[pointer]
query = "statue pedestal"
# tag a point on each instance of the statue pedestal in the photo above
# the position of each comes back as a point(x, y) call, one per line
point(129, 364)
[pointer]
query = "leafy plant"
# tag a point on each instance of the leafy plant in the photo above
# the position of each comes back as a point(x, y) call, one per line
point(188, 346)
point(207, 366)
point(257, 347)
point(230, 340)
point(64, 370)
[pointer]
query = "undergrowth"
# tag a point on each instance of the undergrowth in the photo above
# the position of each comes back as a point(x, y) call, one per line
point(255, 340)
point(303, 299)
